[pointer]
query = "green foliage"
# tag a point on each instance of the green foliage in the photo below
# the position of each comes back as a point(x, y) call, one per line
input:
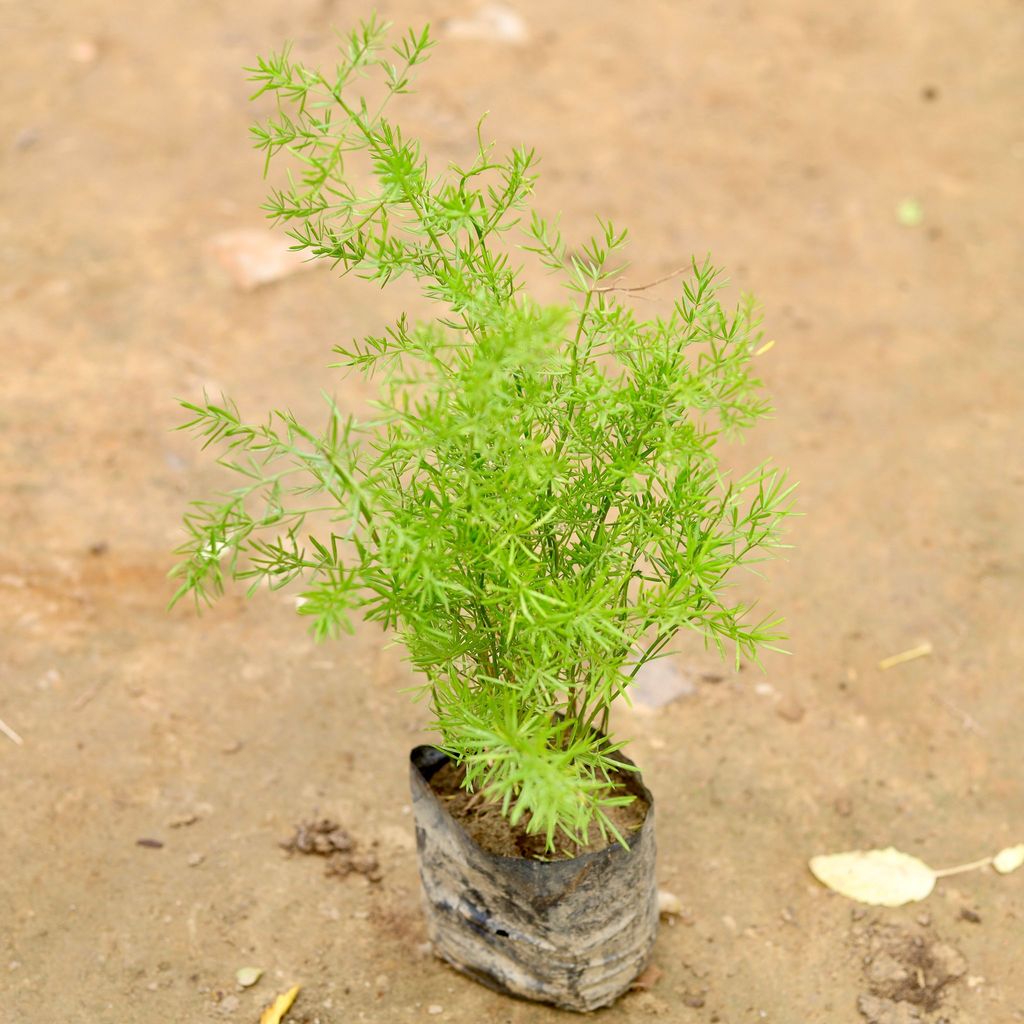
point(535, 507)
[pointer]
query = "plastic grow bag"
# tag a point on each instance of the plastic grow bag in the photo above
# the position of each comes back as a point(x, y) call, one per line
point(574, 933)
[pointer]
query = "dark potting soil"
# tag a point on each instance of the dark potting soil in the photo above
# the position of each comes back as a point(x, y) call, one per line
point(483, 820)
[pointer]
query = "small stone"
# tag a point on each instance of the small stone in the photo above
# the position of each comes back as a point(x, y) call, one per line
point(885, 970)
point(789, 709)
point(25, 139)
point(669, 904)
point(248, 976)
point(884, 1011)
point(84, 51)
point(434, 1009)
point(195, 859)
point(182, 820)
point(253, 258)
point(339, 840)
point(229, 1004)
point(491, 23)
point(660, 683)
point(693, 1001)
point(651, 1005)
point(949, 962)
point(924, 919)
point(966, 914)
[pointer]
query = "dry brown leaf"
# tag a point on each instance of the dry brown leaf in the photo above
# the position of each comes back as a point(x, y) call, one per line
point(880, 878)
point(647, 979)
point(279, 1007)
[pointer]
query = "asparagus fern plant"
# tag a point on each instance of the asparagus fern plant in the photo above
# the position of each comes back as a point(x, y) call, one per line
point(535, 508)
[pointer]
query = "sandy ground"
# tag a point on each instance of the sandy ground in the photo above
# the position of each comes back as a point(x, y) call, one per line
point(779, 136)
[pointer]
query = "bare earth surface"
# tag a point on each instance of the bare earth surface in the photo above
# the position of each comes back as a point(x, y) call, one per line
point(782, 137)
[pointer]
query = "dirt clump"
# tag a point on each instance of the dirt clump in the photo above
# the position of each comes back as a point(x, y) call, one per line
point(484, 822)
point(326, 838)
point(908, 975)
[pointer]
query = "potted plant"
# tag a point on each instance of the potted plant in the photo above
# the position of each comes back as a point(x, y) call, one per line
point(535, 509)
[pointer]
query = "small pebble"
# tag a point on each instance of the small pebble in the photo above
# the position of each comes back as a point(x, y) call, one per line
point(248, 976)
point(195, 859)
point(85, 51)
point(669, 904)
point(253, 257)
point(434, 1009)
point(151, 844)
point(924, 919)
point(843, 806)
point(660, 683)
point(24, 140)
point(970, 915)
point(491, 23)
point(229, 1004)
point(789, 709)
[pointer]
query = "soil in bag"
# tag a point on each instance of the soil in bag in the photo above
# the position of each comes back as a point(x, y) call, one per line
point(485, 823)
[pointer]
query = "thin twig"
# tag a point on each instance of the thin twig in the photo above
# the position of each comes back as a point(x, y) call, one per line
point(966, 720)
point(86, 697)
point(474, 800)
point(641, 287)
point(10, 733)
point(961, 868)
point(920, 651)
